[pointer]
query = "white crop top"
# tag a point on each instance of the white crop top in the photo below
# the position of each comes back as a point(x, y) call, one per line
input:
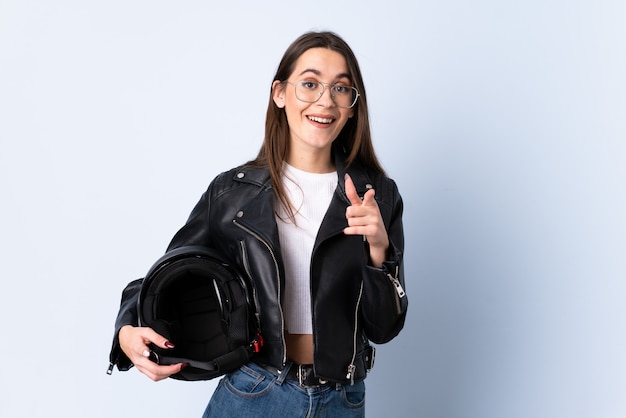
point(310, 195)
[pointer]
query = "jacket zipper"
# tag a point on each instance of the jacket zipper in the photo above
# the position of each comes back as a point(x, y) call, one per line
point(398, 286)
point(282, 317)
point(246, 265)
point(352, 366)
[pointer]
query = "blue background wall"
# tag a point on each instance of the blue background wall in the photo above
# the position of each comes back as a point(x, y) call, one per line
point(502, 122)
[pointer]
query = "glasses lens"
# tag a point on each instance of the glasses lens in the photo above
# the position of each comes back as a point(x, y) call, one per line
point(309, 91)
point(344, 96)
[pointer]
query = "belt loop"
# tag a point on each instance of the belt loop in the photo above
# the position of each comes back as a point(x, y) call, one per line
point(282, 374)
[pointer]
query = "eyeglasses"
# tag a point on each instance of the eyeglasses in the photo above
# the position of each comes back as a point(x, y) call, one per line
point(310, 91)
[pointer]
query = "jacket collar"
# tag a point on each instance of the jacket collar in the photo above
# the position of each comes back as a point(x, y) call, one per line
point(259, 211)
point(260, 175)
point(360, 177)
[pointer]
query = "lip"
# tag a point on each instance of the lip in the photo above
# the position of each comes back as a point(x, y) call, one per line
point(321, 120)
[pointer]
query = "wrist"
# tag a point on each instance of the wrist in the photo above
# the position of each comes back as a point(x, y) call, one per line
point(378, 256)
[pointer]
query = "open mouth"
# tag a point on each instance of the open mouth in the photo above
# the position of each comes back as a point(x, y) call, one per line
point(325, 121)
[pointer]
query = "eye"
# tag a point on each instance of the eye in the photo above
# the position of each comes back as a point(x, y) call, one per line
point(340, 89)
point(309, 85)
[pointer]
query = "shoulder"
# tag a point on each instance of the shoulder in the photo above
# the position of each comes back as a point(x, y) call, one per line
point(389, 184)
point(386, 189)
point(240, 176)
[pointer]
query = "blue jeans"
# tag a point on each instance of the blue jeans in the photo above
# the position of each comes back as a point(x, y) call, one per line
point(255, 392)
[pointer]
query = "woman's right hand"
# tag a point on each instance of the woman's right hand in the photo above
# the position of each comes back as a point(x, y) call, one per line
point(134, 343)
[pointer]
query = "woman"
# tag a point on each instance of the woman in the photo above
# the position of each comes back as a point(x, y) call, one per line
point(317, 225)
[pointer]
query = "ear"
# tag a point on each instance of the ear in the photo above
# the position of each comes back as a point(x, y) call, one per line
point(278, 93)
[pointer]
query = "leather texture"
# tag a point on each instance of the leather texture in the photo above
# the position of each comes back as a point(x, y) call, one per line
point(353, 303)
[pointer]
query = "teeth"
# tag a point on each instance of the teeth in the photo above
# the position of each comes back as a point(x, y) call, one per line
point(320, 120)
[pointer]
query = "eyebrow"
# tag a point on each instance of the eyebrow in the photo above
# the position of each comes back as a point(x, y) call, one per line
point(318, 73)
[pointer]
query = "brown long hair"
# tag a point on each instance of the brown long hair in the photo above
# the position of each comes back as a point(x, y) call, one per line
point(355, 137)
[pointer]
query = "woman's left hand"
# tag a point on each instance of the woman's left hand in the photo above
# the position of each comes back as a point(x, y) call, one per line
point(364, 219)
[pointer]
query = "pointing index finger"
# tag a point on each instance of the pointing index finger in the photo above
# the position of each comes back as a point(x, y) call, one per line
point(351, 191)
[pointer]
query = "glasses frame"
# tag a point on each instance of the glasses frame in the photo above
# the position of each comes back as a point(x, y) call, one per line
point(325, 85)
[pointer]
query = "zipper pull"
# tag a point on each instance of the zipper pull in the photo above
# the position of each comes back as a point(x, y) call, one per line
point(396, 283)
point(398, 286)
point(110, 369)
point(350, 374)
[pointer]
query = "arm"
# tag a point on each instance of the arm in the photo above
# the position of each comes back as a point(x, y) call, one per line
point(127, 315)
point(384, 302)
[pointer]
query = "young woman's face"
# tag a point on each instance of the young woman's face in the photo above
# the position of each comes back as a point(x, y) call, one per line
point(314, 126)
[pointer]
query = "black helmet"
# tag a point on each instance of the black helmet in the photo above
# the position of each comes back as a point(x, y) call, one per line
point(202, 304)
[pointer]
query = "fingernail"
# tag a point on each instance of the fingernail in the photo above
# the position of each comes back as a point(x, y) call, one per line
point(169, 344)
point(346, 176)
point(146, 353)
point(182, 366)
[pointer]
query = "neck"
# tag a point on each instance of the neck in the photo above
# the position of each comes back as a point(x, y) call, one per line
point(312, 162)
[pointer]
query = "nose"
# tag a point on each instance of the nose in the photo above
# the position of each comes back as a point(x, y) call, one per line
point(326, 98)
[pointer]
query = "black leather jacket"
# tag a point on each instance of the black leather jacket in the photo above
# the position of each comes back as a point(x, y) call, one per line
point(353, 303)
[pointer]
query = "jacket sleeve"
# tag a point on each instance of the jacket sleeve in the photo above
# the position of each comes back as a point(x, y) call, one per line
point(196, 229)
point(127, 315)
point(385, 302)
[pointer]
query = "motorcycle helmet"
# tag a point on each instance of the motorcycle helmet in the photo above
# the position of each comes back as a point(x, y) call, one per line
point(205, 306)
